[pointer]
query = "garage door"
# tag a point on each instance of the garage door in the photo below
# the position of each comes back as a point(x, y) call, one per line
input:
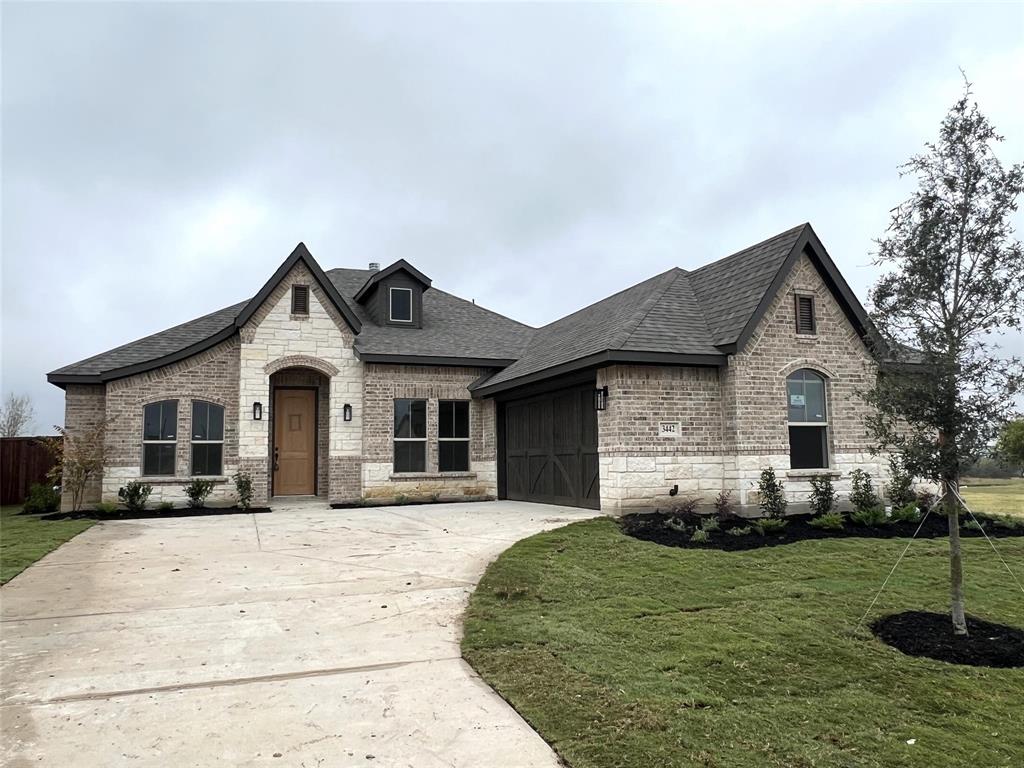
point(551, 448)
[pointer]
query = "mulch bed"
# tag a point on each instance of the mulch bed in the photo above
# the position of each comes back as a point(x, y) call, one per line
point(922, 633)
point(653, 527)
point(151, 514)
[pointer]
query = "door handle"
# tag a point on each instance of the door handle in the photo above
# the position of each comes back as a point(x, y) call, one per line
point(275, 458)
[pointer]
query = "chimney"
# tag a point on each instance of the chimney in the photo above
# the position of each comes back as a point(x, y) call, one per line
point(375, 266)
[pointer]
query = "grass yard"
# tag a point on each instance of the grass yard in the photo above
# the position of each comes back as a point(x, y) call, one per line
point(626, 653)
point(994, 495)
point(25, 538)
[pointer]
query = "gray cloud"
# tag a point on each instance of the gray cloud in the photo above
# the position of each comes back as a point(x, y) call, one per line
point(160, 160)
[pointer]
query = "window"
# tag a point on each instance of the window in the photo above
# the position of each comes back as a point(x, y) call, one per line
point(805, 314)
point(453, 436)
point(159, 442)
point(300, 299)
point(207, 438)
point(808, 422)
point(401, 304)
point(410, 436)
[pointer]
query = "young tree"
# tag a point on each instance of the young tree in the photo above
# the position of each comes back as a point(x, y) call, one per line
point(955, 277)
point(79, 458)
point(16, 415)
point(1011, 444)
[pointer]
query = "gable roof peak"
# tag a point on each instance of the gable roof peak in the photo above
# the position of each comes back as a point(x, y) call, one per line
point(399, 266)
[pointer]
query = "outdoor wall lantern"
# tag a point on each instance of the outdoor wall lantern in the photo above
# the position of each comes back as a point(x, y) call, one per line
point(346, 412)
point(600, 399)
point(257, 411)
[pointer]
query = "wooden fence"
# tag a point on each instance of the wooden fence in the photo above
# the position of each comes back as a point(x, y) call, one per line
point(23, 461)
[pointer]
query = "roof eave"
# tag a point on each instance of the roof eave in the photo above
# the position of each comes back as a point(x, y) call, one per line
point(457, 360)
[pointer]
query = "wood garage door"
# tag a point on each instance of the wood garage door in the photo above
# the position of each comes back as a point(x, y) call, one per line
point(551, 448)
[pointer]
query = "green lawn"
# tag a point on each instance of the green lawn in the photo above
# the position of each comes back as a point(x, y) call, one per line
point(25, 538)
point(994, 495)
point(624, 653)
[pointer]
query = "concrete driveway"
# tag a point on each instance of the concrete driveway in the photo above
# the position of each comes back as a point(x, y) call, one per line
point(306, 637)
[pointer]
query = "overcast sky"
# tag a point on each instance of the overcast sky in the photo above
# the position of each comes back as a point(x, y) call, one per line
point(160, 161)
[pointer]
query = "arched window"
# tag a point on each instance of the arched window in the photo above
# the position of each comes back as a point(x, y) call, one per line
point(159, 437)
point(207, 438)
point(808, 420)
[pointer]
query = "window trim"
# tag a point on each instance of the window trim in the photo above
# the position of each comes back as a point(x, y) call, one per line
point(797, 297)
point(294, 293)
point(396, 439)
point(824, 425)
point(193, 441)
point(391, 305)
point(174, 442)
point(469, 431)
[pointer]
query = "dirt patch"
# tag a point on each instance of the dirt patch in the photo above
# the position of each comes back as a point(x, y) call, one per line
point(922, 633)
point(678, 530)
point(150, 514)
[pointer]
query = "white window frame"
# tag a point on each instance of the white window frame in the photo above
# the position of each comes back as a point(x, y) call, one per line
point(192, 441)
point(469, 431)
point(174, 442)
point(391, 304)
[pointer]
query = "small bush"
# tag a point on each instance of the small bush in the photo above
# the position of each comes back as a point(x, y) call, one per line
point(676, 524)
point(243, 489)
point(700, 536)
point(197, 491)
point(863, 496)
point(41, 499)
point(106, 507)
point(769, 526)
point(872, 517)
point(724, 507)
point(823, 494)
point(134, 495)
point(1008, 522)
point(772, 497)
point(685, 507)
point(908, 513)
point(401, 499)
point(925, 500)
point(709, 524)
point(165, 506)
point(830, 521)
point(739, 531)
point(973, 525)
point(900, 488)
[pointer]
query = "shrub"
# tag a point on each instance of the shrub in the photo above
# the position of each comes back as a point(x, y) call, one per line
point(772, 498)
point(973, 525)
point(900, 489)
point(908, 513)
point(41, 499)
point(823, 495)
point(243, 489)
point(872, 517)
point(700, 536)
point(830, 521)
point(401, 499)
point(685, 507)
point(925, 500)
point(134, 495)
point(165, 506)
point(197, 491)
point(769, 526)
point(709, 524)
point(862, 495)
point(739, 531)
point(676, 524)
point(106, 507)
point(724, 507)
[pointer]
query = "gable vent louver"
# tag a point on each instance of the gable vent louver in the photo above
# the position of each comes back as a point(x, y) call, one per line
point(805, 314)
point(300, 299)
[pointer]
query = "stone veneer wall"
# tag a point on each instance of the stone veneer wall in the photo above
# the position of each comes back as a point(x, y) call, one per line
point(84, 408)
point(211, 376)
point(274, 339)
point(734, 420)
point(382, 385)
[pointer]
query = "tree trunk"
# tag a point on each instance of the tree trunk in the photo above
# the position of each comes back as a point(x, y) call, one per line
point(956, 571)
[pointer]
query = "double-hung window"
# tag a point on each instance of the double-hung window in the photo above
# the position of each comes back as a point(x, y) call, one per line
point(410, 436)
point(453, 436)
point(808, 420)
point(207, 438)
point(159, 437)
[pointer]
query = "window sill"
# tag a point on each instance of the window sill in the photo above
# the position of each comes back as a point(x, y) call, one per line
point(807, 336)
point(294, 316)
point(432, 475)
point(170, 480)
point(812, 472)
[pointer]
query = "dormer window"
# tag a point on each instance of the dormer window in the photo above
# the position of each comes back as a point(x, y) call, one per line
point(401, 305)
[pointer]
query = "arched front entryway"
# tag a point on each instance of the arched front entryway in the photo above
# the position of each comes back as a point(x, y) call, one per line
point(299, 432)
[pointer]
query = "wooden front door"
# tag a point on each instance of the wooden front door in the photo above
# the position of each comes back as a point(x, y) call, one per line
point(294, 442)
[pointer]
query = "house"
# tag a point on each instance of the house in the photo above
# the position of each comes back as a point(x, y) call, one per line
point(357, 384)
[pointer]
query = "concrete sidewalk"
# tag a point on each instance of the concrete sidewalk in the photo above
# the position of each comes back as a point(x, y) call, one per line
point(306, 637)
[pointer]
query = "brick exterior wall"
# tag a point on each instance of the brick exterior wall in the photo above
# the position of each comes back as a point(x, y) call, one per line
point(734, 420)
point(84, 408)
point(382, 385)
point(211, 376)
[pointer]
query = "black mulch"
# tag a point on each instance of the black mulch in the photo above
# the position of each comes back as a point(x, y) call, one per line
point(151, 514)
point(654, 527)
point(922, 633)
